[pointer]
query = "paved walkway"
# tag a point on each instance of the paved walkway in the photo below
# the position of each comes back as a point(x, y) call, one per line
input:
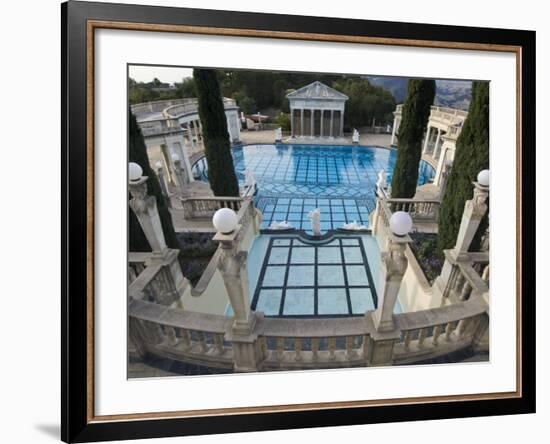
point(268, 136)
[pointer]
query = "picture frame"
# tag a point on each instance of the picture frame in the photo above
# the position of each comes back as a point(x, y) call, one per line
point(80, 20)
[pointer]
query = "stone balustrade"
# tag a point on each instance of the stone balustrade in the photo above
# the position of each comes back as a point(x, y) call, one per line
point(192, 106)
point(159, 127)
point(205, 207)
point(282, 344)
point(419, 209)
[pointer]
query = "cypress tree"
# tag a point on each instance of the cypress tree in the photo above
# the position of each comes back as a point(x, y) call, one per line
point(416, 112)
point(471, 156)
point(138, 153)
point(217, 148)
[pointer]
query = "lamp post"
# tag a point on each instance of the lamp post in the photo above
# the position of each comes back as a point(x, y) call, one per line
point(233, 268)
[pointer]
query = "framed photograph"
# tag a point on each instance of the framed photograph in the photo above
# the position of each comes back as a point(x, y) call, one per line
point(276, 221)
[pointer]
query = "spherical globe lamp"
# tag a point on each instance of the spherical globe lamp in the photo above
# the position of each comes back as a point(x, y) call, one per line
point(225, 220)
point(134, 172)
point(400, 223)
point(483, 178)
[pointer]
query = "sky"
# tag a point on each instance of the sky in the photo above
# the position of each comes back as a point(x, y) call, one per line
point(164, 74)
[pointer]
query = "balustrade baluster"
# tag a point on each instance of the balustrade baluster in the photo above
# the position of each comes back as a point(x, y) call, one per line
point(280, 349)
point(366, 342)
point(436, 334)
point(202, 341)
point(171, 335)
point(218, 343)
point(448, 330)
point(298, 349)
point(349, 347)
point(422, 336)
point(332, 348)
point(315, 348)
point(466, 290)
point(407, 339)
point(185, 339)
point(461, 327)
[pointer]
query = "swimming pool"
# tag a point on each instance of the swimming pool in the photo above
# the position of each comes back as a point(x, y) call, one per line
point(295, 179)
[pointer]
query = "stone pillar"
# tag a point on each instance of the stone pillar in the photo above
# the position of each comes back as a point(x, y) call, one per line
point(233, 268)
point(145, 209)
point(291, 122)
point(331, 122)
point(322, 123)
point(427, 139)
point(474, 210)
point(301, 122)
point(440, 166)
point(393, 131)
point(341, 123)
point(393, 267)
point(312, 123)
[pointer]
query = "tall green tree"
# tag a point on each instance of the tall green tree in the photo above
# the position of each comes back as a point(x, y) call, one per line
point(138, 153)
point(217, 149)
point(416, 112)
point(471, 156)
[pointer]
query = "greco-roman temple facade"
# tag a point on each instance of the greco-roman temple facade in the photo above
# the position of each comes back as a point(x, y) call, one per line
point(317, 111)
point(172, 132)
point(438, 146)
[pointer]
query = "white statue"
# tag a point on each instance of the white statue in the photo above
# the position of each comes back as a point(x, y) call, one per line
point(249, 180)
point(315, 218)
point(354, 226)
point(381, 182)
point(278, 135)
point(355, 137)
point(280, 225)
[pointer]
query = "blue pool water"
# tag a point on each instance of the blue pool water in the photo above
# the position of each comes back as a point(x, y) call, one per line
point(295, 179)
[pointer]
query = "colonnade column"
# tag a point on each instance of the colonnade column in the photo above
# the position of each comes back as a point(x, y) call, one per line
point(426, 140)
point(291, 122)
point(301, 122)
point(312, 122)
point(393, 130)
point(331, 121)
point(322, 118)
point(436, 146)
point(341, 124)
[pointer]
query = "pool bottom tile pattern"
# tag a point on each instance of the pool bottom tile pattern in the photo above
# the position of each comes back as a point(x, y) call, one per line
point(301, 278)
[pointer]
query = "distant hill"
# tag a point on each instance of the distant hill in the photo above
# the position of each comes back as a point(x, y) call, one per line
point(451, 93)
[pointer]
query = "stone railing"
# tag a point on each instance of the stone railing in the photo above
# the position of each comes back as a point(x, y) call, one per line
point(419, 209)
point(154, 284)
point(157, 106)
point(454, 132)
point(159, 127)
point(281, 343)
point(205, 207)
point(448, 115)
point(192, 106)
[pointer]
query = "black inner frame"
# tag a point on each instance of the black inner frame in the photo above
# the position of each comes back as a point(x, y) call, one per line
point(74, 377)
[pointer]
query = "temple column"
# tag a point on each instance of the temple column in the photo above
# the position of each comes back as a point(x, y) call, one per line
point(291, 122)
point(312, 123)
point(440, 166)
point(331, 122)
point(427, 139)
point(436, 146)
point(301, 122)
point(341, 123)
point(322, 118)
